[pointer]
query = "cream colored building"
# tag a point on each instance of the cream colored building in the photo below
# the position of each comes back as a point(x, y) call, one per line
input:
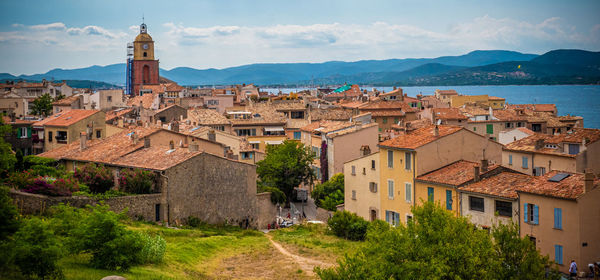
point(361, 186)
point(65, 127)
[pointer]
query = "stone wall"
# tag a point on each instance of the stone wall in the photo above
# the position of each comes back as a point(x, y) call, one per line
point(323, 215)
point(138, 205)
point(214, 189)
point(266, 210)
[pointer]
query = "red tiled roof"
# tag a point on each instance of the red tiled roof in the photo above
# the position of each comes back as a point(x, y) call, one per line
point(509, 115)
point(420, 137)
point(504, 184)
point(117, 113)
point(456, 173)
point(575, 135)
point(448, 114)
point(66, 118)
point(569, 188)
point(66, 101)
point(147, 99)
point(535, 107)
point(354, 91)
point(447, 92)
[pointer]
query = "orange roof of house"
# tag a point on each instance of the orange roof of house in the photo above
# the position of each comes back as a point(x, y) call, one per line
point(66, 118)
point(495, 98)
point(155, 88)
point(504, 184)
point(456, 173)
point(447, 92)
point(535, 107)
point(526, 130)
point(66, 101)
point(388, 105)
point(568, 188)
point(173, 87)
point(354, 91)
point(448, 114)
point(117, 113)
point(420, 137)
point(147, 99)
point(508, 115)
point(575, 135)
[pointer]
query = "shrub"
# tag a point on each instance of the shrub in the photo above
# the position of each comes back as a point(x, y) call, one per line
point(153, 250)
point(8, 215)
point(40, 166)
point(68, 184)
point(277, 196)
point(348, 225)
point(193, 221)
point(42, 186)
point(98, 178)
point(329, 194)
point(112, 246)
point(20, 180)
point(37, 250)
point(136, 181)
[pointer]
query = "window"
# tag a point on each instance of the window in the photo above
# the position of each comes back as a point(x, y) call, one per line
point(364, 171)
point(396, 120)
point(384, 120)
point(519, 124)
point(474, 128)
point(531, 214)
point(297, 135)
point(430, 194)
point(558, 218)
point(392, 218)
point(254, 146)
point(573, 149)
point(353, 170)
point(524, 162)
point(536, 127)
point(297, 115)
point(539, 171)
point(448, 200)
point(109, 98)
point(508, 125)
point(98, 133)
point(476, 204)
point(61, 136)
point(49, 136)
point(407, 163)
point(246, 132)
point(372, 164)
point(408, 192)
point(390, 189)
point(489, 128)
point(558, 254)
point(22, 132)
point(246, 155)
point(509, 159)
point(390, 159)
point(354, 195)
point(145, 54)
point(504, 208)
point(373, 187)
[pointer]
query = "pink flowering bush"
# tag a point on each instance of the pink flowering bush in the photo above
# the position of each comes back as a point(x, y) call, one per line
point(98, 178)
point(136, 181)
point(43, 186)
point(20, 180)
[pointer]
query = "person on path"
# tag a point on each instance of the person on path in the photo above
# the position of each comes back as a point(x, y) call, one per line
point(573, 269)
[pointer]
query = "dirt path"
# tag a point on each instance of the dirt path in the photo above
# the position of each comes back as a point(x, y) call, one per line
point(305, 264)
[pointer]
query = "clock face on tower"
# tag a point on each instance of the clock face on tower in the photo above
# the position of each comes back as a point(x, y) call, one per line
point(145, 46)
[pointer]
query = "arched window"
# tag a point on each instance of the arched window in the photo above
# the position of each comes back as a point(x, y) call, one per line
point(146, 74)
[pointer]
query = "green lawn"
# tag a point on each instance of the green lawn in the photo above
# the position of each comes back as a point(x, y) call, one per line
point(223, 253)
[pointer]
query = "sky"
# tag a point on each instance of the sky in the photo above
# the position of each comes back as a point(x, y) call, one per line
point(37, 36)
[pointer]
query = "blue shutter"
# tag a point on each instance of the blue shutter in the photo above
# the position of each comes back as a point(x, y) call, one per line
point(510, 159)
point(387, 216)
point(536, 214)
point(397, 218)
point(558, 223)
point(525, 212)
point(448, 199)
point(558, 254)
point(430, 194)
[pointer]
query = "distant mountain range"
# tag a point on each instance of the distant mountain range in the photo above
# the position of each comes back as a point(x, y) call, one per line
point(474, 68)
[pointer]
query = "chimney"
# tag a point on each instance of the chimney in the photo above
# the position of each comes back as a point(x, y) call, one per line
point(436, 131)
point(193, 147)
point(82, 141)
point(146, 142)
point(476, 177)
point(484, 165)
point(588, 181)
point(539, 144)
point(212, 136)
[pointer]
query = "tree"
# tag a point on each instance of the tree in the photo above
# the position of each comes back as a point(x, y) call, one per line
point(324, 162)
point(8, 215)
point(437, 245)
point(42, 106)
point(7, 157)
point(286, 166)
point(329, 194)
point(37, 250)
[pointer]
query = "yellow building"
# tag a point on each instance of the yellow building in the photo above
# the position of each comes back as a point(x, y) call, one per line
point(481, 100)
point(361, 186)
point(65, 127)
point(408, 156)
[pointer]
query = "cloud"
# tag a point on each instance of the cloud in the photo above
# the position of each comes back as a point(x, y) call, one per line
point(50, 26)
point(91, 30)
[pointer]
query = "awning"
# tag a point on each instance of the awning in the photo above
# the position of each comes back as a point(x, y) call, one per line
point(278, 142)
point(254, 142)
point(274, 128)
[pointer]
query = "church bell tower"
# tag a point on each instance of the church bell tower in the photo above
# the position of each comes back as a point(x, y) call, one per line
point(144, 68)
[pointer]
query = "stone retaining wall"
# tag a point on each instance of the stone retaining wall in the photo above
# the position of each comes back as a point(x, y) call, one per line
point(143, 205)
point(267, 211)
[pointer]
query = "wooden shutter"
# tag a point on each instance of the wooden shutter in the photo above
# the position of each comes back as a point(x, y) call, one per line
point(536, 214)
point(525, 212)
point(448, 199)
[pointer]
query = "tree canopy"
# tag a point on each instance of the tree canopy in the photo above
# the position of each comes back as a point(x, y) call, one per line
point(7, 157)
point(286, 166)
point(437, 245)
point(42, 106)
point(329, 194)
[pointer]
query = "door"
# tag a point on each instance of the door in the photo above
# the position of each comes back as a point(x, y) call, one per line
point(373, 215)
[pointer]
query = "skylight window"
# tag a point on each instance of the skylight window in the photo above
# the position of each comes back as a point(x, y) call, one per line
point(559, 177)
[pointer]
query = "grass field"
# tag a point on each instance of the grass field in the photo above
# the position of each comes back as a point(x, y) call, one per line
point(211, 252)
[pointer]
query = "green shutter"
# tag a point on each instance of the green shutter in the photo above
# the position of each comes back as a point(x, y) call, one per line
point(448, 199)
point(19, 132)
point(489, 129)
point(29, 132)
point(430, 194)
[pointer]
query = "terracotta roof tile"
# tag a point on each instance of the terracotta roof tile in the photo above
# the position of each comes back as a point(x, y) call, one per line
point(207, 117)
point(504, 184)
point(110, 115)
point(575, 135)
point(66, 101)
point(420, 137)
point(447, 92)
point(535, 107)
point(336, 114)
point(66, 118)
point(508, 115)
point(448, 114)
point(146, 157)
point(456, 173)
point(569, 188)
point(147, 99)
point(7, 120)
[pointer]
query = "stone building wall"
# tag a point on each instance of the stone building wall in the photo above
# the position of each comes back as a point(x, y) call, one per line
point(266, 210)
point(214, 189)
point(138, 205)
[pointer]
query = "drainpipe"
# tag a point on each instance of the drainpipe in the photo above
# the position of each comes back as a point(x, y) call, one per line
point(414, 166)
point(162, 174)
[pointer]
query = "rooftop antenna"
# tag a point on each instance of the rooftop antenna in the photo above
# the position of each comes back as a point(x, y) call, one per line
point(142, 17)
